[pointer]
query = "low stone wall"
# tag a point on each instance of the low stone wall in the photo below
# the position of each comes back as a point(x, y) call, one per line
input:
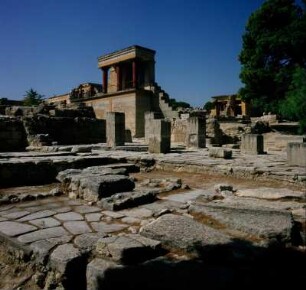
point(178, 131)
point(66, 130)
point(12, 135)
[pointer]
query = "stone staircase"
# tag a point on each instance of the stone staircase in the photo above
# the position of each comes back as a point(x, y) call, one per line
point(163, 98)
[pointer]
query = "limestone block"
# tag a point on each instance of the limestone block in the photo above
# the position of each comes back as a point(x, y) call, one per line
point(296, 154)
point(115, 129)
point(196, 131)
point(148, 117)
point(219, 152)
point(159, 139)
point(252, 144)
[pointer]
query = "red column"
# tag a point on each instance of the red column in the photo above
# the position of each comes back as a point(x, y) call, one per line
point(134, 72)
point(119, 78)
point(105, 79)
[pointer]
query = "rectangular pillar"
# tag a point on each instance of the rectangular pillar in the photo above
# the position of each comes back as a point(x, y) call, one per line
point(296, 154)
point(105, 79)
point(252, 144)
point(134, 73)
point(115, 129)
point(196, 131)
point(160, 135)
point(148, 117)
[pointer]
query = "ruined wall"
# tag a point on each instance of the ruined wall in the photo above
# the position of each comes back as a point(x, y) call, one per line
point(12, 135)
point(133, 104)
point(65, 130)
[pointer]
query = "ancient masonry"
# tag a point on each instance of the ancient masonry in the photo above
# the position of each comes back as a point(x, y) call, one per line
point(79, 206)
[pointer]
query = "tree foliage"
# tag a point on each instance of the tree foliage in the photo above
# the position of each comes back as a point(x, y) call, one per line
point(178, 104)
point(32, 98)
point(208, 106)
point(294, 106)
point(274, 44)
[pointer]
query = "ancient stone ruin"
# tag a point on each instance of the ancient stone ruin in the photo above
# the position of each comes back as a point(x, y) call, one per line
point(149, 198)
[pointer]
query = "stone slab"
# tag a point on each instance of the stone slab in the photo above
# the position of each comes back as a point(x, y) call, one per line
point(69, 216)
point(12, 229)
point(77, 227)
point(37, 215)
point(42, 235)
point(183, 232)
point(45, 222)
point(108, 228)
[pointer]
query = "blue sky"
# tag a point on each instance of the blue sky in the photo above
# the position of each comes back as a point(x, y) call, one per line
point(53, 45)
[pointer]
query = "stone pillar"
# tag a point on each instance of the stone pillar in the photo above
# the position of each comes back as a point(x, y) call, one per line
point(195, 133)
point(115, 129)
point(119, 78)
point(252, 144)
point(134, 73)
point(105, 79)
point(160, 135)
point(149, 116)
point(296, 154)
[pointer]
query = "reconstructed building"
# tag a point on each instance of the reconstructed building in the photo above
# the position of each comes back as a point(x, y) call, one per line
point(230, 106)
point(128, 86)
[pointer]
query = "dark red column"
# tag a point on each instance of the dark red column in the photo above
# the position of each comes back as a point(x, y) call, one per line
point(105, 79)
point(119, 78)
point(134, 72)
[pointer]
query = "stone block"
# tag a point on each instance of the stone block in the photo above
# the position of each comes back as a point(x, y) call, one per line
point(115, 129)
point(219, 152)
point(296, 154)
point(196, 131)
point(97, 271)
point(160, 136)
point(148, 117)
point(252, 144)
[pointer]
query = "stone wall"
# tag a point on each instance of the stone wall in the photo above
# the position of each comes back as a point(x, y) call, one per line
point(178, 130)
point(65, 130)
point(132, 103)
point(12, 135)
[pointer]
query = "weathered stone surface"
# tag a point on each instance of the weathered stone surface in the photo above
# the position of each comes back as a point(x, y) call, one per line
point(115, 129)
point(93, 217)
point(195, 133)
point(182, 232)
point(108, 228)
point(88, 241)
point(37, 215)
point(296, 154)
point(252, 144)
point(270, 193)
point(64, 257)
point(83, 209)
point(219, 152)
point(264, 223)
point(128, 248)
point(159, 136)
point(15, 214)
point(96, 271)
point(42, 234)
point(77, 227)
point(125, 200)
point(69, 216)
point(12, 229)
point(45, 222)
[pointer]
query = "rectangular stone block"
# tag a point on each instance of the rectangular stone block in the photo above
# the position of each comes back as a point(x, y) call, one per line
point(160, 136)
point(252, 144)
point(115, 129)
point(296, 154)
point(219, 152)
point(196, 131)
point(148, 117)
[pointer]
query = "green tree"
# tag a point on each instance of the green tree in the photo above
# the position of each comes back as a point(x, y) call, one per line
point(294, 106)
point(208, 106)
point(274, 43)
point(32, 98)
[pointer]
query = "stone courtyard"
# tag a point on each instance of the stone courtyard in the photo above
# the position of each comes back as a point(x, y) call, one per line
point(117, 213)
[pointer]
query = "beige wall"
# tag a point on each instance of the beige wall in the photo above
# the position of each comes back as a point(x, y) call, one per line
point(59, 99)
point(125, 103)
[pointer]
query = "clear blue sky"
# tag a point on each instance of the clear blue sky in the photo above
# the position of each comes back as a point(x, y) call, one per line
point(53, 45)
